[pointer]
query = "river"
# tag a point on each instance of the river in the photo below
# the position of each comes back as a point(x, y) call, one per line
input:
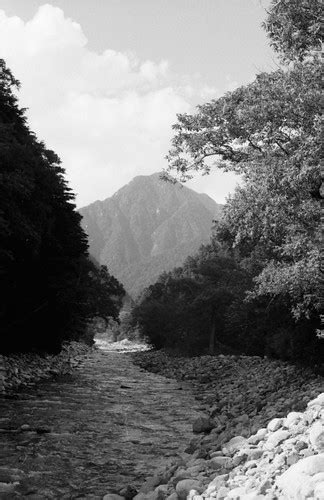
point(108, 425)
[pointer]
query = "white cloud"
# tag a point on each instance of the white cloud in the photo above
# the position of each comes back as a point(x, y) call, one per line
point(108, 116)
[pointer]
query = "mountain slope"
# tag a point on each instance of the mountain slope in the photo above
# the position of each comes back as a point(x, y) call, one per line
point(147, 227)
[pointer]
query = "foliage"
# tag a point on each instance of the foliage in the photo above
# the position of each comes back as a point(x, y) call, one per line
point(268, 132)
point(294, 27)
point(46, 278)
point(186, 308)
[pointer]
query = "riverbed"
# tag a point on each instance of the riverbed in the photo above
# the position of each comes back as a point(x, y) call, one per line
point(108, 425)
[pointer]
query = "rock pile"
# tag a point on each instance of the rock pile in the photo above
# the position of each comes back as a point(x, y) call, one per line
point(246, 446)
point(26, 369)
point(284, 460)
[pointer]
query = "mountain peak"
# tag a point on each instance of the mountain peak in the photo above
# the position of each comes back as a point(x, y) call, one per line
point(147, 227)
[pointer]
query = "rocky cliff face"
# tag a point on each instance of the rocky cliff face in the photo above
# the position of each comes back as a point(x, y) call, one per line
point(147, 227)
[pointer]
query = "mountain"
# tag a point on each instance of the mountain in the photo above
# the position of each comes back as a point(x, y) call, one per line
point(147, 227)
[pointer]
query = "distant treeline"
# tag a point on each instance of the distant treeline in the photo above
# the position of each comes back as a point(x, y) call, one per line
point(256, 287)
point(50, 290)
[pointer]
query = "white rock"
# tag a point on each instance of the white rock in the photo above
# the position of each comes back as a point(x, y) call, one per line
point(316, 436)
point(319, 491)
point(234, 444)
point(276, 438)
point(297, 480)
point(252, 495)
point(236, 493)
point(217, 483)
point(222, 493)
point(293, 418)
point(275, 424)
point(193, 496)
point(319, 401)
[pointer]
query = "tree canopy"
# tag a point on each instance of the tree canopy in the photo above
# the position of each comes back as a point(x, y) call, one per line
point(269, 133)
point(46, 278)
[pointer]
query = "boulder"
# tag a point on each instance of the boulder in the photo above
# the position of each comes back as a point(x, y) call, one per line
point(275, 424)
point(202, 424)
point(184, 487)
point(276, 438)
point(293, 418)
point(220, 462)
point(316, 436)
point(319, 401)
point(297, 482)
point(234, 444)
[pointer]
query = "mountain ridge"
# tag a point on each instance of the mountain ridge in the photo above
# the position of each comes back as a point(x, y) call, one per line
point(148, 226)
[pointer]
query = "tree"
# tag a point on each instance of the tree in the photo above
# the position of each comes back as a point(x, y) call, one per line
point(104, 293)
point(269, 132)
point(294, 27)
point(45, 274)
point(186, 308)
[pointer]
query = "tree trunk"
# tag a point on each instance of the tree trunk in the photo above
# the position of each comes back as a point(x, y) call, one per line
point(212, 337)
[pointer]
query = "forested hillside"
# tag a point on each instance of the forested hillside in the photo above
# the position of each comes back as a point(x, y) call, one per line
point(147, 227)
point(256, 287)
point(50, 289)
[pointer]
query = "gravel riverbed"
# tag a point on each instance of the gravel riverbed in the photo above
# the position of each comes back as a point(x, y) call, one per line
point(260, 434)
point(226, 427)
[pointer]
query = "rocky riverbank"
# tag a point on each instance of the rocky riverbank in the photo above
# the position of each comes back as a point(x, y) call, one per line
point(19, 370)
point(260, 436)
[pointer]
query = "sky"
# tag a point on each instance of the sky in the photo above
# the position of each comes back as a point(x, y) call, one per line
point(103, 80)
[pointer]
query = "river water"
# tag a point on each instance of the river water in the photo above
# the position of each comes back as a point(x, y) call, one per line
point(108, 425)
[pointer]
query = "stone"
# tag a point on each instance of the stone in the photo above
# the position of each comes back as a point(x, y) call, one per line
point(253, 454)
point(316, 436)
point(8, 487)
point(180, 475)
point(276, 438)
point(292, 459)
point(239, 459)
point(234, 444)
point(129, 492)
point(202, 424)
point(25, 427)
point(292, 418)
point(150, 484)
point(236, 493)
point(143, 496)
point(319, 401)
point(160, 493)
point(264, 486)
point(275, 424)
point(254, 439)
point(296, 481)
point(301, 445)
point(220, 462)
point(184, 487)
point(222, 493)
point(319, 491)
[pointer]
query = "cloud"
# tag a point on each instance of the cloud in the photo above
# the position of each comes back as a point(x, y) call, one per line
point(107, 115)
